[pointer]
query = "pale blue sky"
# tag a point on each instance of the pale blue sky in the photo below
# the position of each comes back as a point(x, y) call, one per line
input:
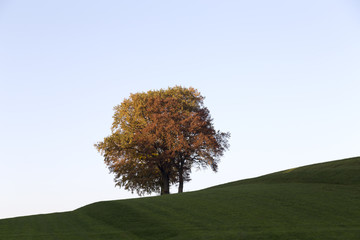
point(282, 76)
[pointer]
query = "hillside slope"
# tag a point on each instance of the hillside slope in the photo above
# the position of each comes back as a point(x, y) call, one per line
point(343, 172)
point(320, 201)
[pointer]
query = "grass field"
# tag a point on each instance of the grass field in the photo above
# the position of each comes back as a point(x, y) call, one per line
point(320, 201)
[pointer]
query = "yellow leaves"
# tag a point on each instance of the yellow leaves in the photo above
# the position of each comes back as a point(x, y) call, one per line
point(154, 132)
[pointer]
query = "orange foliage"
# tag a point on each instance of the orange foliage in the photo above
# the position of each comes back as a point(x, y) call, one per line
point(158, 136)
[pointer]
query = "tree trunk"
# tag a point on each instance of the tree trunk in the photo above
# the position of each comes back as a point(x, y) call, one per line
point(165, 186)
point(181, 183)
point(181, 174)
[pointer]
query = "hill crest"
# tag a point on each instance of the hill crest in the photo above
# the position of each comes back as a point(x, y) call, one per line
point(344, 172)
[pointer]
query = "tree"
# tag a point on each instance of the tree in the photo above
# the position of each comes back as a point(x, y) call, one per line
point(158, 137)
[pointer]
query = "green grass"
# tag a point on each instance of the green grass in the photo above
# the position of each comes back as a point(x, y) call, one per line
point(320, 201)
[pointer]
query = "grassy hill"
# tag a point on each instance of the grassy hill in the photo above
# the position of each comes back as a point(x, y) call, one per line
point(320, 201)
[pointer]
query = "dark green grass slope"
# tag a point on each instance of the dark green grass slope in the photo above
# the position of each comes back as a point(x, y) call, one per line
point(343, 172)
point(319, 201)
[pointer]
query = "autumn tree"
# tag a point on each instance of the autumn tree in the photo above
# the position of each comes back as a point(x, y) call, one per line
point(158, 137)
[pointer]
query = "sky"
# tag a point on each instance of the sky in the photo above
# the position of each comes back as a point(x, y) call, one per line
point(283, 77)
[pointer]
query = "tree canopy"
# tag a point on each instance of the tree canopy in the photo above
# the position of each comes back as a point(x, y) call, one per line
point(158, 137)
